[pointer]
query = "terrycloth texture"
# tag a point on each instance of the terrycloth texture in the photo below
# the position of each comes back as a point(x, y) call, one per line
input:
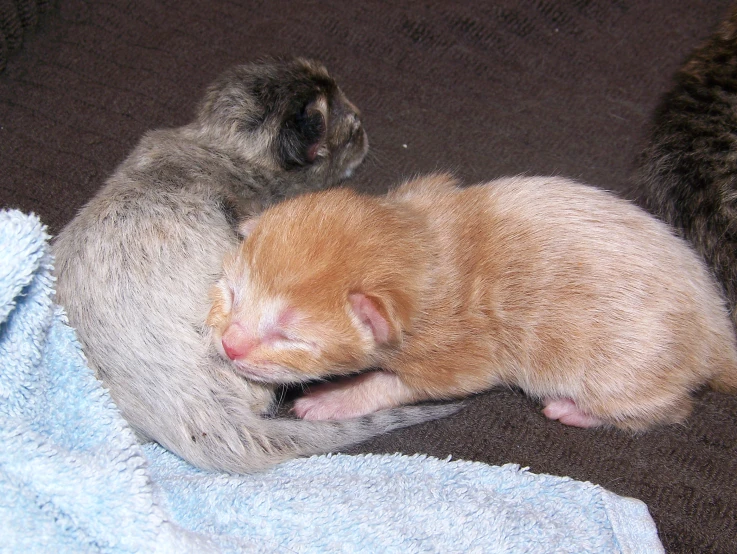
point(73, 479)
point(540, 87)
point(401, 504)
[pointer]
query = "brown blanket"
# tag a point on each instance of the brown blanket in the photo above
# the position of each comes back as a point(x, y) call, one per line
point(526, 86)
point(18, 19)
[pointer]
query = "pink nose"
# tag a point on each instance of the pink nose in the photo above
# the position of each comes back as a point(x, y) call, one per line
point(236, 342)
point(232, 351)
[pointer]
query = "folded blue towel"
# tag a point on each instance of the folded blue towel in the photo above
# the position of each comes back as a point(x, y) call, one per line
point(73, 478)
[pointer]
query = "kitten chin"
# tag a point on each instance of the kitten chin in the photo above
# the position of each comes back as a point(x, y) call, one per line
point(134, 267)
point(578, 297)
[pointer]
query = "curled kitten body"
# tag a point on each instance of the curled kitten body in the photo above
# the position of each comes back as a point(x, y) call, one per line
point(575, 296)
point(135, 266)
point(687, 174)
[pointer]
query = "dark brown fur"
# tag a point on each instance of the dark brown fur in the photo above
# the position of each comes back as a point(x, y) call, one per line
point(688, 172)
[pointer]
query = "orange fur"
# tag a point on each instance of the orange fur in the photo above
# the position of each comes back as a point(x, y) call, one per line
point(555, 287)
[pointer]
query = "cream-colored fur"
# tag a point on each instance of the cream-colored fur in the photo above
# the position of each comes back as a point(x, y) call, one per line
point(577, 297)
point(134, 266)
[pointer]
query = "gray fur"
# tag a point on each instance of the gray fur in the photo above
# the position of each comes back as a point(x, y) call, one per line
point(135, 266)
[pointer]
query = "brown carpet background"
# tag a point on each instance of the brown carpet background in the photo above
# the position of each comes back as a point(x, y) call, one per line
point(18, 20)
point(535, 87)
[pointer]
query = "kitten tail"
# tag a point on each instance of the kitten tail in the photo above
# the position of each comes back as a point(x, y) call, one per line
point(265, 442)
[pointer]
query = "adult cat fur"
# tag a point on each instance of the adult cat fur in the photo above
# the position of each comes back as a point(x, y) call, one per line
point(687, 174)
point(577, 297)
point(135, 265)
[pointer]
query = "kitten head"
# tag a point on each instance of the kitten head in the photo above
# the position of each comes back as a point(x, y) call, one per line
point(289, 116)
point(322, 285)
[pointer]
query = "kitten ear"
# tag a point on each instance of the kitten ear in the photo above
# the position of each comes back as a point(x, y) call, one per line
point(303, 134)
point(372, 313)
point(247, 226)
point(221, 304)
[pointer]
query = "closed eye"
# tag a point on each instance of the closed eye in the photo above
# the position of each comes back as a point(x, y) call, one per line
point(276, 335)
point(279, 338)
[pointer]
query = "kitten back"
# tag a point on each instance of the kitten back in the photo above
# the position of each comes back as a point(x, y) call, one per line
point(150, 244)
point(556, 287)
point(685, 174)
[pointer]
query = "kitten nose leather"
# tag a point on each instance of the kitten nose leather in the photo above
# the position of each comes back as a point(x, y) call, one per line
point(236, 342)
point(232, 352)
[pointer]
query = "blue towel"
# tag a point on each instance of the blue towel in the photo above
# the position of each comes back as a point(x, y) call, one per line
point(74, 479)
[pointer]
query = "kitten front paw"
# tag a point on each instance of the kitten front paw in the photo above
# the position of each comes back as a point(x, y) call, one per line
point(340, 400)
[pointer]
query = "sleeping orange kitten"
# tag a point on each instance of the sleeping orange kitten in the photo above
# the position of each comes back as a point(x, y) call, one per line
point(577, 297)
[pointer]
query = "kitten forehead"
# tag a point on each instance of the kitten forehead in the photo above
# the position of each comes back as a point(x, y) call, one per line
point(252, 302)
point(236, 268)
point(270, 311)
point(237, 278)
point(318, 247)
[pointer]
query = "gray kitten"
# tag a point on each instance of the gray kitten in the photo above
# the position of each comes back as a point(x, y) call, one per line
point(135, 266)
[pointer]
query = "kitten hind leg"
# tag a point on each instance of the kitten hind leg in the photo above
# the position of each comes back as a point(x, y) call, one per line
point(629, 416)
point(354, 396)
point(566, 411)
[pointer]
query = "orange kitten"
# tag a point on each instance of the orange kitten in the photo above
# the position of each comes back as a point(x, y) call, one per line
point(577, 297)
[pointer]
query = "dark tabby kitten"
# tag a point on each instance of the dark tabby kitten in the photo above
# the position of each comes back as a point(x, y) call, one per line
point(135, 266)
point(688, 173)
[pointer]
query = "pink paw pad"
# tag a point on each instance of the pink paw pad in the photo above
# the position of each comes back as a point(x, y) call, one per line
point(330, 401)
point(567, 412)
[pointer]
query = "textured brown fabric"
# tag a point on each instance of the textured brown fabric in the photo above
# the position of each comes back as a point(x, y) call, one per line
point(18, 18)
point(527, 86)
